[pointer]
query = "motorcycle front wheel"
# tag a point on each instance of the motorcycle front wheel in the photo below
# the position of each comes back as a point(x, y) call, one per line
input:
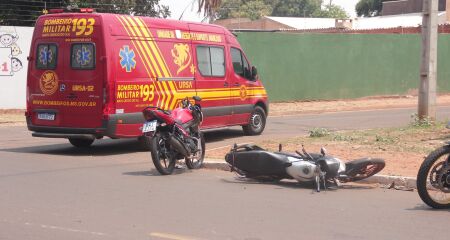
point(433, 178)
point(162, 157)
point(363, 168)
point(197, 161)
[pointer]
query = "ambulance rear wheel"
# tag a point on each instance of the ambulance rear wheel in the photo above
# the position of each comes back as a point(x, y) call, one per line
point(257, 122)
point(81, 143)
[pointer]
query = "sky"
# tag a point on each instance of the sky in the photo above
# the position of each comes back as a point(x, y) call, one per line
point(190, 8)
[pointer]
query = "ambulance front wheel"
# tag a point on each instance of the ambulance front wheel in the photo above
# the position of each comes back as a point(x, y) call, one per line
point(81, 143)
point(257, 122)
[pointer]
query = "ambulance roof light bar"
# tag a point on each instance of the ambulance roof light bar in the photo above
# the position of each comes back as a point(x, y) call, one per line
point(80, 10)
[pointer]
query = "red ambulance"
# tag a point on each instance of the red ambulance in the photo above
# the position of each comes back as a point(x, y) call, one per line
point(91, 74)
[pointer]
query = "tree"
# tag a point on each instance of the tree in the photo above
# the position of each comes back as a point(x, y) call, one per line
point(368, 8)
point(25, 13)
point(208, 6)
point(331, 11)
point(253, 9)
point(296, 8)
point(149, 8)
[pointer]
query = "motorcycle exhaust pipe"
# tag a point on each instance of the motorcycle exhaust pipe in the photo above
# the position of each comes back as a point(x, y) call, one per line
point(178, 146)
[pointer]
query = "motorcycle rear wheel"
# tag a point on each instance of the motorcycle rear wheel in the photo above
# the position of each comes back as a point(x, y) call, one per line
point(433, 178)
point(162, 158)
point(198, 162)
point(363, 168)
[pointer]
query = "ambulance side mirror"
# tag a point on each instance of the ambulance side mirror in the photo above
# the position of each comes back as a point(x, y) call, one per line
point(254, 72)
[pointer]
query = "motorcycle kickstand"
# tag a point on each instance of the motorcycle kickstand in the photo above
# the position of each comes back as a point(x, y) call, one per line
point(317, 183)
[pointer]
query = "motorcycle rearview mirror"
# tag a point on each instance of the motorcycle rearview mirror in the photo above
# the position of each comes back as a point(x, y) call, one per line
point(280, 147)
point(185, 102)
point(197, 98)
point(306, 153)
point(323, 151)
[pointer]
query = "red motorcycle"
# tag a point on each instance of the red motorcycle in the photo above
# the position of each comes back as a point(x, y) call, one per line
point(175, 135)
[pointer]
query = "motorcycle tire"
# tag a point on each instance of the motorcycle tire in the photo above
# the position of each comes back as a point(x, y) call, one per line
point(163, 163)
point(426, 174)
point(197, 164)
point(363, 168)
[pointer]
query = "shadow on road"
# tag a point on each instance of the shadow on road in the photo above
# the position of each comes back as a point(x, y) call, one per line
point(106, 147)
point(103, 147)
point(426, 208)
point(296, 185)
point(155, 173)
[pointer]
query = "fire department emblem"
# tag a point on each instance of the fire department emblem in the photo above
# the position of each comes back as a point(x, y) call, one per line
point(48, 82)
point(243, 92)
point(181, 56)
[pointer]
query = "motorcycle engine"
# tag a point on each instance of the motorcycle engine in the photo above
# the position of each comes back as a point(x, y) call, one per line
point(190, 143)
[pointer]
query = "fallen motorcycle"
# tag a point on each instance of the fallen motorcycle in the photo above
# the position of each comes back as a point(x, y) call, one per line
point(175, 135)
point(433, 178)
point(253, 162)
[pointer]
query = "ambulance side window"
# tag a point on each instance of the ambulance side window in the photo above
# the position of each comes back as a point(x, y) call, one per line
point(211, 61)
point(46, 56)
point(82, 56)
point(240, 64)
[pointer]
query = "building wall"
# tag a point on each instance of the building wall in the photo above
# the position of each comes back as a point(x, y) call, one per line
point(14, 48)
point(334, 66)
point(406, 6)
point(261, 24)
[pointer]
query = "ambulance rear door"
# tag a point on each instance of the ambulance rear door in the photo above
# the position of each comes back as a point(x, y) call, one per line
point(66, 73)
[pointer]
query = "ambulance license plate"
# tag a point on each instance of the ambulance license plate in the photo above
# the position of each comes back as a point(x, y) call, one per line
point(149, 126)
point(46, 116)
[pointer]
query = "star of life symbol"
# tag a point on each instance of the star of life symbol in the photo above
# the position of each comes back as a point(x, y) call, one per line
point(84, 56)
point(46, 55)
point(127, 60)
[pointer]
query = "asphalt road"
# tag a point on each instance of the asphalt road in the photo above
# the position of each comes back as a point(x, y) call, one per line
point(50, 190)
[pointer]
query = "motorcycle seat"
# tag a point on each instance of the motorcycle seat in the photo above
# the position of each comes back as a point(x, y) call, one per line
point(259, 162)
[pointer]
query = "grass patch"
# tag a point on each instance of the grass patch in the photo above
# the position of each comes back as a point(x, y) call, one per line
point(318, 132)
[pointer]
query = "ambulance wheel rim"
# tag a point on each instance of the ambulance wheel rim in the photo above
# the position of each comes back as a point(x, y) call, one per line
point(256, 121)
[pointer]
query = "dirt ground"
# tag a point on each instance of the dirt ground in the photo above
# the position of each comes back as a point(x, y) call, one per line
point(403, 150)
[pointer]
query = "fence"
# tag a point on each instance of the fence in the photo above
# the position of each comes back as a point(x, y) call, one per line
point(331, 66)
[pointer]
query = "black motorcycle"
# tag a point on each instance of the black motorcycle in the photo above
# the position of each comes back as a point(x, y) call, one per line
point(251, 161)
point(433, 178)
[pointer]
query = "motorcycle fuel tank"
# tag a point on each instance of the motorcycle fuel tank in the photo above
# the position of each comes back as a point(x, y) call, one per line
point(301, 170)
point(182, 115)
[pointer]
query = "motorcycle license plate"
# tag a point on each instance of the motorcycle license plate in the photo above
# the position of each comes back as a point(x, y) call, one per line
point(46, 116)
point(149, 126)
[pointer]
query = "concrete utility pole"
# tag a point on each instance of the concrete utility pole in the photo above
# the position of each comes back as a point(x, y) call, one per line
point(428, 68)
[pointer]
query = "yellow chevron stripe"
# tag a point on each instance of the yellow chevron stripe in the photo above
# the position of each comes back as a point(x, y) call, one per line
point(161, 91)
point(169, 97)
point(144, 59)
point(140, 48)
point(155, 47)
point(143, 45)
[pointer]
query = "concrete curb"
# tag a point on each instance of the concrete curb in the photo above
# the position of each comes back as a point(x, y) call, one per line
point(394, 181)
